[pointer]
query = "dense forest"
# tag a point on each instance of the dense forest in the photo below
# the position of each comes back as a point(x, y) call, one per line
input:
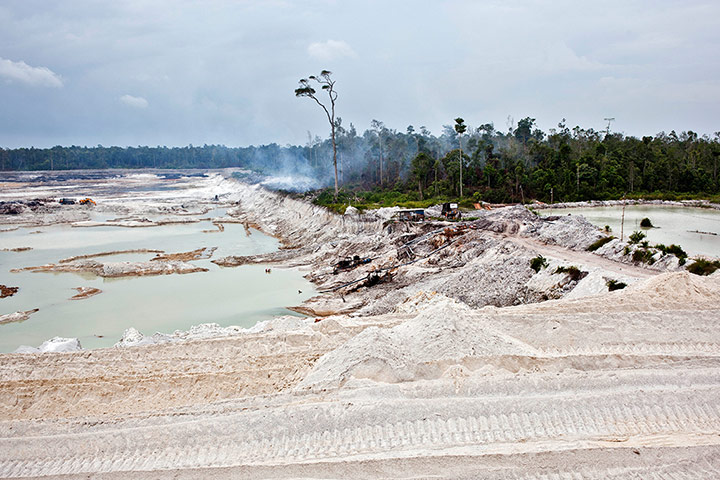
point(519, 164)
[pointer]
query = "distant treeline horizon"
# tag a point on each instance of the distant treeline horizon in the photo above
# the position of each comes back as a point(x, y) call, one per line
point(524, 162)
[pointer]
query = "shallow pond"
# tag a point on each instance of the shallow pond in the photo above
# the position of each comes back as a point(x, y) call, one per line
point(228, 296)
point(678, 225)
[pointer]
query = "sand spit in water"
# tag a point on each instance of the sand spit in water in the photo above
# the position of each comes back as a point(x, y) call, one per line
point(16, 249)
point(108, 254)
point(161, 264)
point(85, 292)
point(455, 368)
point(17, 316)
point(118, 269)
point(199, 254)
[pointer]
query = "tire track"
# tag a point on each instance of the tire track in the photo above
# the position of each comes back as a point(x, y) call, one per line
point(328, 432)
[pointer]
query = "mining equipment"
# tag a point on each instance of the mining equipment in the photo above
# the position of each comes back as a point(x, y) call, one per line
point(450, 211)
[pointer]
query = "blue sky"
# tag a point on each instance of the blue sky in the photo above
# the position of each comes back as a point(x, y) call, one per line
point(175, 72)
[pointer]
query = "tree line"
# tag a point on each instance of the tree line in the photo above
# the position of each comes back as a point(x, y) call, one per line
point(475, 163)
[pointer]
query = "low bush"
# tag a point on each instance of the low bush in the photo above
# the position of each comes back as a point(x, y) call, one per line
point(599, 243)
point(538, 263)
point(615, 285)
point(703, 267)
point(646, 223)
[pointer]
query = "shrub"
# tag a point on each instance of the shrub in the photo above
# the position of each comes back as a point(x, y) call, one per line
point(599, 243)
point(538, 263)
point(673, 250)
point(615, 285)
point(636, 237)
point(703, 267)
point(646, 223)
point(572, 271)
point(644, 256)
point(608, 229)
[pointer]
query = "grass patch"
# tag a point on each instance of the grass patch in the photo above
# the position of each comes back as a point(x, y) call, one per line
point(703, 267)
point(599, 243)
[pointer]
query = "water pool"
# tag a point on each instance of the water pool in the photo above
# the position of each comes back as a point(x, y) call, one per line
point(228, 296)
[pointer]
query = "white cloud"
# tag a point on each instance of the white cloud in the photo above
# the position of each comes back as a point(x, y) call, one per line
point(24, 73)
point(135, 102)
point(330, 50)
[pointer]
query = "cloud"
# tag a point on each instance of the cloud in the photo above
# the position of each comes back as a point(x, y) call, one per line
point(135, 102)
point(24, 73)
point(330, 50)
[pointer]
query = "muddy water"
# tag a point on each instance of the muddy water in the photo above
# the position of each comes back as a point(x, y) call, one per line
point(678, 225)
point(228, 296)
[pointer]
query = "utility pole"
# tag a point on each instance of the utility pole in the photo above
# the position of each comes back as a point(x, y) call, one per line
point(622, 220)
point(609, 120)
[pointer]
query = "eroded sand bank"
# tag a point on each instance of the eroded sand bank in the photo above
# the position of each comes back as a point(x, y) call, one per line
point(457, 366)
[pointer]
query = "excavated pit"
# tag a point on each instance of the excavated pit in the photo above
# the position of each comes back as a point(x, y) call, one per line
point(455, 367)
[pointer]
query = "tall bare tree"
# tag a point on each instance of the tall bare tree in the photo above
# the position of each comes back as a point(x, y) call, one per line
point(328, 84)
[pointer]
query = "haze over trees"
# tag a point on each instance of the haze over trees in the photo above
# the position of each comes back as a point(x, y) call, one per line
point(498, 166)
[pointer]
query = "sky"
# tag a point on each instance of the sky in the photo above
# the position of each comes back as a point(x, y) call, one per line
point(179, 72)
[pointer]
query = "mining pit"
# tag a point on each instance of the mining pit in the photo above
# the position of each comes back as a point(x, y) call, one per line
point(439, 352)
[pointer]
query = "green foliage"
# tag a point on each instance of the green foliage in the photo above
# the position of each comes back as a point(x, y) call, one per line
point(673, 250)
point(565, 164)
point(703, 267)
point(607, 229)
point(363, 200)
point(646, 223)
point(599, 243)
point(643, 255)
point(573, 271)
point(538, 263)
point(636, 237)
point(615, 285)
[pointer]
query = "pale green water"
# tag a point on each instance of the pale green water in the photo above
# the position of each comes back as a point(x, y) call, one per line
point(228, 296)
point(675, 224)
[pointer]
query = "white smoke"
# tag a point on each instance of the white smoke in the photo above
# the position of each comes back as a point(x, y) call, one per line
point(291, 183)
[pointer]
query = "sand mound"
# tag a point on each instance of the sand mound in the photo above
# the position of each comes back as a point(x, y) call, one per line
point(443, 334)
